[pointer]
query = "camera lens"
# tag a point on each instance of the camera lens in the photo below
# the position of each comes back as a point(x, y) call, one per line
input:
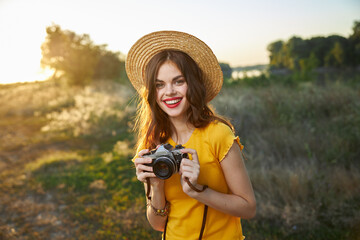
point(164, 167)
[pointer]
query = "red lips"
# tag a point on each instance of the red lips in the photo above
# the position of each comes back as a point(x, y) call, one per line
point(172, 102)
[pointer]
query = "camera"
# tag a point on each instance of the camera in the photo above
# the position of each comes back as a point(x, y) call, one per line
point(166, 160)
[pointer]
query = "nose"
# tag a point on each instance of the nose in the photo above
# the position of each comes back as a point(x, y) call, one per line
point(170, 90)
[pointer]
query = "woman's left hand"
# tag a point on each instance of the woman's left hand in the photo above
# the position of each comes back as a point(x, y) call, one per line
point(189, 169)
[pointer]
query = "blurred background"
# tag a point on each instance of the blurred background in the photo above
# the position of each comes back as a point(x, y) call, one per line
point(291, 89)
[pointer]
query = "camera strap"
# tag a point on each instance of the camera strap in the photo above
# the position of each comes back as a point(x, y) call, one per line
point(202, 225)
point(193, 188)
point(148, 189)
point(186, 179)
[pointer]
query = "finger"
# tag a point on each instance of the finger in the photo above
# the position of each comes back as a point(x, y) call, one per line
point(188, 169)
point(144, 175)
point(145, 160)
point(192, 152)
point(190, 164)
point(187, 162)
point(142, 152)
point(143, 168)
point(189, 176)
point(188, 150)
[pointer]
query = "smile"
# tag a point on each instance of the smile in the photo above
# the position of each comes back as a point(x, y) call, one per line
point(172, 102)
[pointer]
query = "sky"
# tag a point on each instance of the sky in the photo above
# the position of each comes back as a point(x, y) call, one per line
point(237, 31)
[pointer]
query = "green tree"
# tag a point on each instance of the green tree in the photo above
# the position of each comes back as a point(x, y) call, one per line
point(355, 44)
point(306, 54)
point(320, 47)
point(77, 59)
point(308, 64)
point(276, 54)
point(109, 66)
point(336, 57)
point(298, 54)
point(297, 50)
point(227, 70)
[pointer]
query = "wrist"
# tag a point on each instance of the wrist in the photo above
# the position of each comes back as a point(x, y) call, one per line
point(200, 188)
point(196, 187)
point(194, 190)
point(159, 186)
point(163, 212)
point(198, 194)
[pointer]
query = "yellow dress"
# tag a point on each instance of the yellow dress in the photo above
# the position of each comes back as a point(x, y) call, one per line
point(212, 143)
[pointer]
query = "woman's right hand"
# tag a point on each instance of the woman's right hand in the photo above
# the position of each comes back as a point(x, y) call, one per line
point(143, 171)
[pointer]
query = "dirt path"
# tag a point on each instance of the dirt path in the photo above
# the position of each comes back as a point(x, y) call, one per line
point(26, 211)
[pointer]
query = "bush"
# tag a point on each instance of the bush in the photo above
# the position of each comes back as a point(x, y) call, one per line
point(302, 149)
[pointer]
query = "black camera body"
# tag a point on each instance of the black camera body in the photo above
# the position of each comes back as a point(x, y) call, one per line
point(166, 160)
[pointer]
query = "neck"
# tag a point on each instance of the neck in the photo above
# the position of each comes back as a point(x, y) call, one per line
point(182, 130)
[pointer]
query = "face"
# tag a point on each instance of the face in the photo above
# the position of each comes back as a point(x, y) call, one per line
point(171, 88)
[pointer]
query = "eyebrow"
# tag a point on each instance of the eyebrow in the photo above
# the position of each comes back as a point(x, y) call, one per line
point(174, 79)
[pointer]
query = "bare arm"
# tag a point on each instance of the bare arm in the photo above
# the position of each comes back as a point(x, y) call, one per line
point(241, 200)
point(158, 201)
point(157, 192)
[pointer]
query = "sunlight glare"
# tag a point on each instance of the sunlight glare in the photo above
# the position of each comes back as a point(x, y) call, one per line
point(21, 48)
point(25, 68)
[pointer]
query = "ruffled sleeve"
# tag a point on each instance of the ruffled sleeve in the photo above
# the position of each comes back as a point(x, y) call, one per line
point(221, 139)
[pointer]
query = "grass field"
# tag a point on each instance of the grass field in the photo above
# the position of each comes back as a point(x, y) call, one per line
point(65, 170)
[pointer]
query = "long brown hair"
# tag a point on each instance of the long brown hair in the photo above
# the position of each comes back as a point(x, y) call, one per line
point(152, 123)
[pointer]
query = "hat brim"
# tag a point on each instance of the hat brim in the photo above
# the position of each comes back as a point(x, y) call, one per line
point(149, 45)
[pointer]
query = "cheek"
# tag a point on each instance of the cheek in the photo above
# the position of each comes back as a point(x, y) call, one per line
point(158, 96)
point(184, 89)
point(185, 93)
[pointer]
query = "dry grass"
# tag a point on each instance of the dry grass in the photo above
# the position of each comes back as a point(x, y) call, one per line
point(303, 156)
point(65, 170)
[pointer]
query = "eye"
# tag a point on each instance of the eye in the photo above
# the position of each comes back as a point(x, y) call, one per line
point(180, 82)
point(159, 85)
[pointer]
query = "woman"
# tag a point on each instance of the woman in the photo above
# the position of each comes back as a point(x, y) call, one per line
point(177, 75)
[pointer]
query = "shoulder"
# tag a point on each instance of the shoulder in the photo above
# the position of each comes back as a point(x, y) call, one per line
point(219, 129)
point(216, 132)
point(220, 138)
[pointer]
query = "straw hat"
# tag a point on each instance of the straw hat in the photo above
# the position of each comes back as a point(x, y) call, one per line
point(149, 45)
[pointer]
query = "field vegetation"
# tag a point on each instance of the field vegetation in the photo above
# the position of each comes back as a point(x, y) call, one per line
point(66, 143)
point(65, 169)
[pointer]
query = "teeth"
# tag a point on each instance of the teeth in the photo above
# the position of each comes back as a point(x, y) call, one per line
point(172, 101)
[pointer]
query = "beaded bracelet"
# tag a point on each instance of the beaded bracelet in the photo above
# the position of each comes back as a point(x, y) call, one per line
point(161, 212)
